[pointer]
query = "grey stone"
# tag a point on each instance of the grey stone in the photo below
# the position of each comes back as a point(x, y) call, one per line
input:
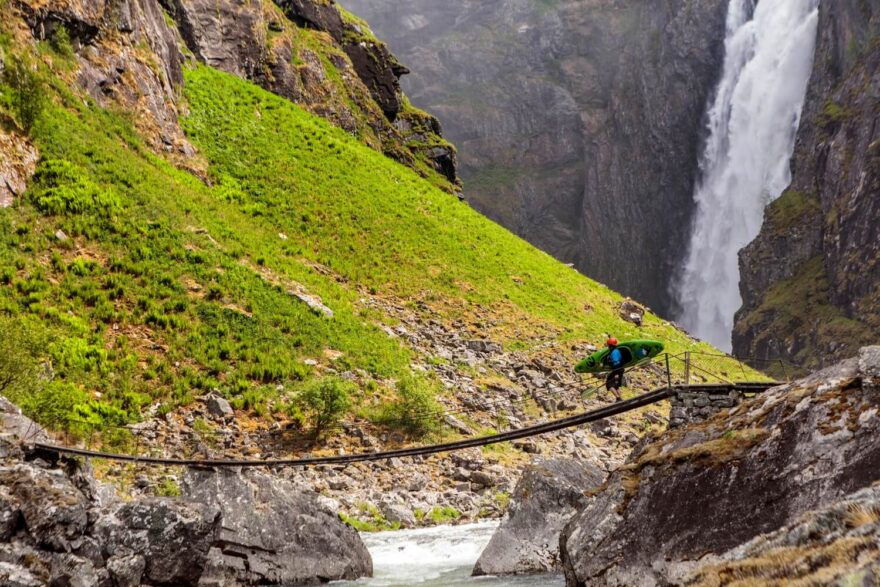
point(219, 407)
point(399, 514)
point(126, 570)
point(15, 575)
point(271, 531)
point(545, 498)
point(53, 509)
point(173, 537)
point(834, 528)
point(869, 363)
point(481, 478)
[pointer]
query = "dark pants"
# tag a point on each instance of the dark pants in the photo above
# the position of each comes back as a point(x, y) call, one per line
point(614, 381)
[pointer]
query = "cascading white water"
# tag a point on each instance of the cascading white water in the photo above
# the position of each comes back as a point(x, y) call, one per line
point(442, 556)
point(753, 123)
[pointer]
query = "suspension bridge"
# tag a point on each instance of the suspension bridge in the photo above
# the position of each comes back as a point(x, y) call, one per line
point(689, 373)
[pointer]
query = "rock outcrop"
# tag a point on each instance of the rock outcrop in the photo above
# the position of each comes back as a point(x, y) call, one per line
point(273, 533)
point(546, 497)
point(17, 166)
point(810, 281)
point(59, 526)
point(127, 54)
point(710, 487)
point(578, 125)
point(837, 545)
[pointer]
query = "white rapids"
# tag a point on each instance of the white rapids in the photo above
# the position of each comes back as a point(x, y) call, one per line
point(440, 556)
point(752, 124)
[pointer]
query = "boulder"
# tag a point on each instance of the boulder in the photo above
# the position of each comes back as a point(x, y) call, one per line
point(546, 497)
point(173, 538)
point(400, 514)
point(127, 570)
point(709, 487)
point(273, 532)
point(219, 407)
point(54, 511)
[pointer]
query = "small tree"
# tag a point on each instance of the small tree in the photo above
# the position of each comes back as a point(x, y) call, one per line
point(415, 410)
point(20, 368)
point(28, 91)
point(326, 399)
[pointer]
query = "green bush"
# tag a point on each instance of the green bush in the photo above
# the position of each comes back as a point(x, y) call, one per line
point(28, 96)
point(63, 188)
point(60, 42)
point(20, 370)
point(326, 400)
point(415, 410)
point(72, 355)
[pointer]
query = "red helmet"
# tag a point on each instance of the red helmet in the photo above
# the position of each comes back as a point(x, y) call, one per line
point(611, 342)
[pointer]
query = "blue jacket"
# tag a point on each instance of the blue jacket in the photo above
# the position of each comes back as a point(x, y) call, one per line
point(615, 358)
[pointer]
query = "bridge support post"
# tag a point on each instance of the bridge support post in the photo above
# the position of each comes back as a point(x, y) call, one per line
point(694, 405)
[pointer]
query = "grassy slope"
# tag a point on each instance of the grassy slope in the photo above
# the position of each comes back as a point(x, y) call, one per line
point(160, 298)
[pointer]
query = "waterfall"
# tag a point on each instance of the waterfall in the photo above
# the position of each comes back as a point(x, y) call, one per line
point(752, 125)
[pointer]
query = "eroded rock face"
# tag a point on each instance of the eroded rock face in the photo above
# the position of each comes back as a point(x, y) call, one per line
point(810, 281)
point(545, 498)
point(578, 125)
point(109, 38)
point(837, 545)
point(274, 533)
point(16, 166)
point(707, 488)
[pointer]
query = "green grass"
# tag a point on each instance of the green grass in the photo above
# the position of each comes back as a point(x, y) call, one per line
point(170, 286)
point(443, 515)
point(790, 209)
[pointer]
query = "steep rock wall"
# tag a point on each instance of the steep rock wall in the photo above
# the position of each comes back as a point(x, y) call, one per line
point(578, 123)
point(706, 488)
point(811, 280)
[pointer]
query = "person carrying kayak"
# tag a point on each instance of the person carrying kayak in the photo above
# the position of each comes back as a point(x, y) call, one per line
point(614, 360)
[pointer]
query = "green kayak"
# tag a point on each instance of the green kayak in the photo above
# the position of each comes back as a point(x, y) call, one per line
point(634, 352)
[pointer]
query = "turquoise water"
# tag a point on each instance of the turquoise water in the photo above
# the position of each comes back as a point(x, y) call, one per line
point(437, 557)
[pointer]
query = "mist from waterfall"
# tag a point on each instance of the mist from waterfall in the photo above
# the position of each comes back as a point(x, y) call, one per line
point(752, 126)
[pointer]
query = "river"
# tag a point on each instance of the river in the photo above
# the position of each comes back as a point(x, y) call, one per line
point(442, 556)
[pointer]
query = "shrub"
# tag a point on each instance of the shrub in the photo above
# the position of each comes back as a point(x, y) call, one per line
point(77, 355)
point(415, 410)
point(60, 42)
point(326, 400)
point(28, 96)
point(63, 188)
point(19, 358)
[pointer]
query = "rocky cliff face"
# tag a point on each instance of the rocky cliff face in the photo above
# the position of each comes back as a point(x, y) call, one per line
point(811, 280)
point(710, 487)
point(578, 122)
point(131, 53)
